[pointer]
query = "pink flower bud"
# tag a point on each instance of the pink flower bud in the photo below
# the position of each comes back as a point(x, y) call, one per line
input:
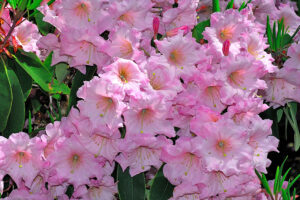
point(174, 31)
point(155, 25)
point(225, 48)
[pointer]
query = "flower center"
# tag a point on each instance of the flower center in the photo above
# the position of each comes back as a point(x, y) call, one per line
point(226, 33)
point(176, 57)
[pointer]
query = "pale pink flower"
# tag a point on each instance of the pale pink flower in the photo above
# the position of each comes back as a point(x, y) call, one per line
point(73, 163)
point(99, 145)
point(82, 13)
point(124, 43)
point(23, 157)
point(262, 142)
point(141, 152)
point(82, 45)
point(125, 74)
point(290, 18)
point(180, 52)
point(101, 102)
point(135, 13)
point(228, 25)
point(225, 147)
point(280, 91)
point(184, 161)
point(162, 77)
point(27, 35)
point(148, 115)
point(203, 115)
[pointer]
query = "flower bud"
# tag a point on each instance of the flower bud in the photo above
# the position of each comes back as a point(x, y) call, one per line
point(225, 48)
point(155, 26)
point(174, 31)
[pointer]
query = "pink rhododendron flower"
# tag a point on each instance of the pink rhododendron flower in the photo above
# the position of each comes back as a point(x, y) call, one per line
point(148, 115)
point(27, 35)
point(180, 52)
point(74, 164)
point(125, 43)
point(184, 162)
point(225, 147)
point(141, 152)
point(125, 74)
point(23, 157)
point(82, 46)
point(226, 26)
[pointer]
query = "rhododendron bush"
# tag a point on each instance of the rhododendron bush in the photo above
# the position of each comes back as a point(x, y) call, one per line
point(146, 99)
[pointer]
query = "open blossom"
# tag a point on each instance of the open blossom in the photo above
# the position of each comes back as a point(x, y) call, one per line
point(148, 115)
point(225, 147)
point(125, 74)
point(102, 103)
point(83, 47)
point(125, 43)
point(134, 13)
point(180, 52)
point(280, 91)
point(27, 35)
point(141, 152)
point(228, 25)
point(23, 157)
point(71, 162)
point(184, 162)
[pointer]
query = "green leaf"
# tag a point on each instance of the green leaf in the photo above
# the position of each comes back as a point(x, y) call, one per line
point(279, 30)
point(36, 105)
point(5, 96)
point(48, 61)
point(277, 180)
point(35, 4)
point(266, 184)
point(59, 88)
point(216, 6)
point(61, 71)
point(161, 188)
point(22, 4)
point(35, 69)
point(279, 115)
point(130, 188)
point(269, 33)
point(230, 4)
point(24, 79)
point(199, 28)
point(78, 82)
point(16, 118)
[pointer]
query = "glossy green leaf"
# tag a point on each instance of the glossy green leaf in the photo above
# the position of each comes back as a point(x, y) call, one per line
point(58, 88)
point(48, 61)
point(35, 69)
point(269, 33)
point(78, 82)
point(230, 4)
point(216, 6)
point(6, 97)
point(130, 188)
point(34, 4)
point(16, 118)
point(61, 71)
point(161, 188)
point(24, 79)
point(279, 115)
point(199, 28)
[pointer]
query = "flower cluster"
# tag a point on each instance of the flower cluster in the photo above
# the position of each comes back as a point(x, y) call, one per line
point(159, 97)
